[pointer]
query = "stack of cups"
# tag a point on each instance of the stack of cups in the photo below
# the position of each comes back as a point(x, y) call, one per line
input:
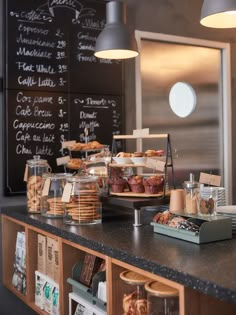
point(176, 200)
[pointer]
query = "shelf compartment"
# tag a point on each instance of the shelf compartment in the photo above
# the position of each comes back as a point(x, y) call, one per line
point(10, 227)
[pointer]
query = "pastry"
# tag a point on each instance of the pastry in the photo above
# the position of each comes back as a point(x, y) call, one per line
point(123, 154)
point(150, 153)
point(74, 164)
point(117, 184)
point(136, 184)
point(137, 154)
point(154, 184)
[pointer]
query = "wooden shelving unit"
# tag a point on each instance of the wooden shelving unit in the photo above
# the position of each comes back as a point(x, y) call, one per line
point(190, 301)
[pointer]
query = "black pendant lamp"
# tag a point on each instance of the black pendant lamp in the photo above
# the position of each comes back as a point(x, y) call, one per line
point(115, 40)
point(219, 13)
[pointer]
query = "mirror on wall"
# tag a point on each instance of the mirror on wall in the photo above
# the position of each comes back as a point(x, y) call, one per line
point(182, 88)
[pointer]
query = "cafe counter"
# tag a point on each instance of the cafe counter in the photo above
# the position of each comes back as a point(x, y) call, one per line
point(208, 269)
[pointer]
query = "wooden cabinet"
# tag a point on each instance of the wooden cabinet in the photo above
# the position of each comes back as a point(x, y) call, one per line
point(191, 302)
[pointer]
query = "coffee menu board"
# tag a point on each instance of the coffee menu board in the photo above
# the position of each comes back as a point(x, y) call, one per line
point(55, 87)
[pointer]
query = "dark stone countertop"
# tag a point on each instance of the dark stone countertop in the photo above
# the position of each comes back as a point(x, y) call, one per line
point(208, 268)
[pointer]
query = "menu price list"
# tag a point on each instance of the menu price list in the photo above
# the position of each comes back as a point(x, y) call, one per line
point(50, 46)
point(99, 115)
point(37, 124)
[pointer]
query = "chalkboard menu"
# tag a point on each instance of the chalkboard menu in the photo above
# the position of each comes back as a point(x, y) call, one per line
point(54, 85)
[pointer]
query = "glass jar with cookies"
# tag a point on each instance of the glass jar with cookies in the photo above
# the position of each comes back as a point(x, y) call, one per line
point(135, 297)
point(51, 204)
point(82, 202)
point(35, 169)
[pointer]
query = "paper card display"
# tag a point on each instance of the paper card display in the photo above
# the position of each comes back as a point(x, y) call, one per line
point(46, 187)
point(26, 173)
point(141, 132)
point(67, 144)
point(19, 273)
point(91, 265)
point(62, 160)
point(66, 192)
point(156, 164)
point(209, 179)
point(49, 257)
point(42, 248)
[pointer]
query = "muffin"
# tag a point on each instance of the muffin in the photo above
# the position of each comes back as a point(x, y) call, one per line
point(117, 184)
point(136, 184)
point(153, 184)
point(138, 154)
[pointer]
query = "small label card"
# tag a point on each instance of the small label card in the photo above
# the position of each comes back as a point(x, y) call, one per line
point(26, 173)
point(155, 164)
point(46, 187)
point(141, 132)
point(210, 179)
point(66, 144)
point(66, 193)
point(62, 160)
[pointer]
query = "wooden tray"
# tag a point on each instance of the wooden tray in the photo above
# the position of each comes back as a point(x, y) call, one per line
point(132, 194)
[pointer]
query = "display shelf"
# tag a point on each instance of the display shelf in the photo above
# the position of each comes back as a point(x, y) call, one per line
point(138, 195)
point(152, 162)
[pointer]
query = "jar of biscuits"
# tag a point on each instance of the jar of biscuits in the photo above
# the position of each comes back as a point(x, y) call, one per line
point(82, 202)
point(161, 299)
point(52, 189)
point(35, 170)
point(135, 297)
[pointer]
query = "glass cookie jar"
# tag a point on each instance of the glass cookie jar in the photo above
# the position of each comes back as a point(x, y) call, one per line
point(35, 169)
point(82, 202)
point(161, 299)
point(51, 203)
point(135, 297)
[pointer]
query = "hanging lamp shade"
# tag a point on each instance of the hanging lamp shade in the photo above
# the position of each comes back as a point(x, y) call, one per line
point(115, 40)
point(219, 13)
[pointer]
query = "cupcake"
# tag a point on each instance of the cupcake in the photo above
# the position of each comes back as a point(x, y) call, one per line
point(153, 184)
point(136, 184)
point(117, 184)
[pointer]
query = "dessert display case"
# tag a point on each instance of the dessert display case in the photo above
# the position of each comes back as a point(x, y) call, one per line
point(141, 189)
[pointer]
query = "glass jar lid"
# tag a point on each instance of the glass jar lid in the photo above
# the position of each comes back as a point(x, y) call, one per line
point(36, 161)
point(191, 184)
point(82, 179)
point(132, 277)
point(59, 176)
point(160, 289)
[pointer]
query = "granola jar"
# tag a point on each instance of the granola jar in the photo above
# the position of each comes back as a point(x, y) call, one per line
point(82, 202)
point(161, 299)
point(52, 189)
point(35, 169)
point(135, 296)
point(190, 195)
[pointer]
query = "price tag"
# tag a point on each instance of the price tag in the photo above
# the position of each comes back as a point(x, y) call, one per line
point(46, 187)
point(141, 132)
point(155, 164)
point(210, 179)
point(26, 173)
point(66, 144)
point(66, 193)
point(62, 160)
